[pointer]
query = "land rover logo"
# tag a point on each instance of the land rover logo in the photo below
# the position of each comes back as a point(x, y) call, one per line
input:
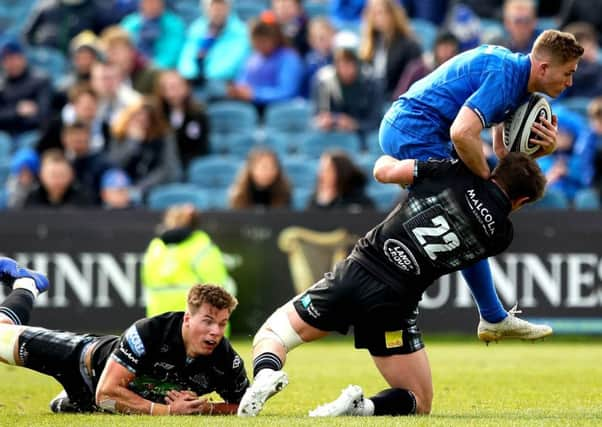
point(401, 256)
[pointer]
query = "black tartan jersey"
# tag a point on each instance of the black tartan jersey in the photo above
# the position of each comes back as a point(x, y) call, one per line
point(153, 349)
point(451, 219)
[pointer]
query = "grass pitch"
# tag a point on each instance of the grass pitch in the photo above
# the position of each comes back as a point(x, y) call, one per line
point(555, 383)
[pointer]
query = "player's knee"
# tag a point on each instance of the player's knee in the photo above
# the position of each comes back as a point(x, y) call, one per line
point(424, 401)
point(9, 338)
point(278, 329)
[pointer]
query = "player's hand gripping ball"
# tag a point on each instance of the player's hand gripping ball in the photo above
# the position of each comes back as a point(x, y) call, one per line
point(517, 128)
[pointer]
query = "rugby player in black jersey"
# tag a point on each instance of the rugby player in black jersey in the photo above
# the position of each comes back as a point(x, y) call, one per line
point(451, 219)
point(158, 366)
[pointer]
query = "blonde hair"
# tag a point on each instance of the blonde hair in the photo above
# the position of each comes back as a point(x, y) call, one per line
point(401, 27)
point(157, 124)
point(213, 295)
point(113, 35)
point(557, 46)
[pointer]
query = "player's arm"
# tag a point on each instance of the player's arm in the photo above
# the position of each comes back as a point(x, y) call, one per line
point(465, 133)
point(113, 395)
point(207, 407)
point(389, 170)
point(499, 148)
point(547, 131)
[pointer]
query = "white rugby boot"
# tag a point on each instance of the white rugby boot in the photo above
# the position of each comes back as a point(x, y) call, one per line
point(512, 328)
point(350, 402)
point(267, 383)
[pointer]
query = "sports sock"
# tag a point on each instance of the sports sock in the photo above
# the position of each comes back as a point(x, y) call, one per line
point(17, 306)
point(394, 401)
point(479, 280)
point(266, 360)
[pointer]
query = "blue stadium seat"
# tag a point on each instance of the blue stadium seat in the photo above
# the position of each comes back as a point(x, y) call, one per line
point(552, 199)
point(301, 198)
point(372, 144)
point(587, 200)
point(51, 60)
point(291, 116)
point(316, 8)
point(164, 196)
point(315, 143)
point(426, 32)
point(228, 117)
point(4, 171)
point(6, 145)
point(282, 143)
point(212, 172)
point(26, 139)
point(247, 9)
point(236, 145)
point(577, 104)
point(366, 163)
point(218, 198)
point(301, 172)
point(384, 196)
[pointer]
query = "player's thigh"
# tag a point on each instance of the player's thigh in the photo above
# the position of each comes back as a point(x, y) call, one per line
point(411, 372)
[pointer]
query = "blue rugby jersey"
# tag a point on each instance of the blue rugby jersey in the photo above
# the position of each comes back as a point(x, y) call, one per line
point(490, 80)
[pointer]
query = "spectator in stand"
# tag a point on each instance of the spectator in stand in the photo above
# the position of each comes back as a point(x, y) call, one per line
point(209, 36)
point(53, 23)
point(346, 14)
point(83, 51)
point(135, 69)
point(88, 166)
point(340, 184)
point(594, 114)
point(25, 92)
point(113, 94)
point(187, 118)
point(345, 99)
point(274, 72)
point(491, 9)
point(582, 11)
point(144, 147)
point(430, 10)
point(57, 188)
point(82, 107)
point(293, 22)
point(157, 33)
point(571, 167)
point(321, 41)
point(23, 178)
point(446, 47)
point(115, 190)
point(520, 22)
point(587, 80)
point(261, 183)
point(387, 42)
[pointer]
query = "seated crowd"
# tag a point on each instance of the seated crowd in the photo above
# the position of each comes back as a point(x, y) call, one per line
point(102, 110)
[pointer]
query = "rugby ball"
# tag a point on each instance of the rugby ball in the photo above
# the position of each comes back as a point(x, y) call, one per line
point(517, 128)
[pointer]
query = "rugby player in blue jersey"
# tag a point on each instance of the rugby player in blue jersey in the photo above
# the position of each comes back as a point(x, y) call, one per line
point(442, 116)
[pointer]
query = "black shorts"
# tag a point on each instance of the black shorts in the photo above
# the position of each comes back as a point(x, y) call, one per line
point(61, 355)
point(350, 296)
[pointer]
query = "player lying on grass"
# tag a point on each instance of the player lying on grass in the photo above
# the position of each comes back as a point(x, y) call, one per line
point(447, 110)
point(451, 218)
point(159, 366)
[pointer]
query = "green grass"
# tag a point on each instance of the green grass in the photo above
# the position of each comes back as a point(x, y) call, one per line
point(556, 383)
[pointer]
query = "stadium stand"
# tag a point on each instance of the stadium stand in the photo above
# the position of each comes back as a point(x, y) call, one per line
point(213, 172)
point(301, 171)
point(164, 196)
point(587, 199)
point(315, 143)
point(228, 117)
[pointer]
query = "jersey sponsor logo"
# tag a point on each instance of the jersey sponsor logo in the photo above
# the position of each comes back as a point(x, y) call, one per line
point(126, 352)
point(134, 341)
point(481, 212)
point(164, 365)
point(394, 339)
point(401, 256)
point(236, 362)
point(309, 306)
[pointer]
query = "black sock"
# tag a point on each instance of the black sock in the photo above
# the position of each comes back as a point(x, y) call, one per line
point(394, 401)
point(17, 306)
point(266, 360)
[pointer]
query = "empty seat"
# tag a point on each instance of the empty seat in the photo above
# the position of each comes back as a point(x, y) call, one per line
point(315, 143)
point(290, 116)
point(213, 171)
point(164, 196)
point(301, 172)
point(228, 117)
point(587, 199)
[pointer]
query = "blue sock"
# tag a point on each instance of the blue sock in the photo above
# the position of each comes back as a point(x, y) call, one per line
point(480, 282)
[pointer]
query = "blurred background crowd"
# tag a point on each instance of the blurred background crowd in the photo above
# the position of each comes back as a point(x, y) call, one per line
point(252, 104)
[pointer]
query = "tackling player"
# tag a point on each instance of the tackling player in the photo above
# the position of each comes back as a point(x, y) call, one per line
point(159, 366)
point(451, 219)
point(472, 91)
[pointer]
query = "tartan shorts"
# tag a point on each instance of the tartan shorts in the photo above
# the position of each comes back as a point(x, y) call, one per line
point(350, 296)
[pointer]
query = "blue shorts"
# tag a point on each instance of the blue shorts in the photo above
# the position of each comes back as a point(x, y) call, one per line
point(396, 143)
